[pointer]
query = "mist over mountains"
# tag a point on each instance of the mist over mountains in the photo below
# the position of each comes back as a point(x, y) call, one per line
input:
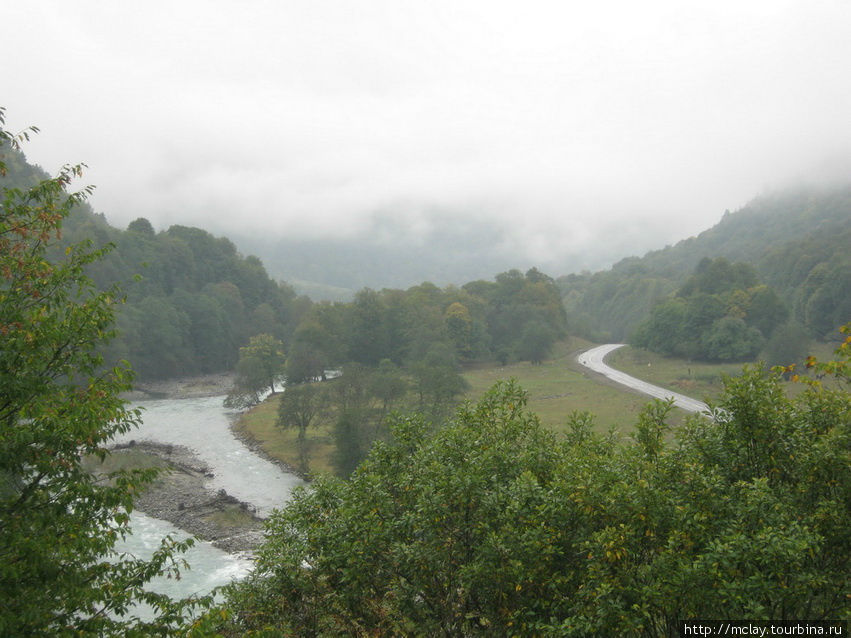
point(452, 249)
point(443, 249)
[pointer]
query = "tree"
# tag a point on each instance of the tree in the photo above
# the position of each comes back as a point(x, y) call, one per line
point(663, 331)
point(304, 363)
point(460, 327)
point(300, 405)
point(730, 339)
point(387, 384)
point(59, 571)
point(788, 344)
point(352, 439)
point(261, 365)
point(536, 342)
point(766, 311)
point(367, 338)
point(436, 380)
point(141, 225)
point(355, 427)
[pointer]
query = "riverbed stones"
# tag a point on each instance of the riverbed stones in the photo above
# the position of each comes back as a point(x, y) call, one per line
point(180, 495)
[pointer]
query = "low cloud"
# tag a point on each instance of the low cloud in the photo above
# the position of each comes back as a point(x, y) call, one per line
point(571, 135)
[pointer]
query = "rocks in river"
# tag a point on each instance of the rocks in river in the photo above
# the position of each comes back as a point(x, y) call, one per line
point(207, 385)
point(180, 496)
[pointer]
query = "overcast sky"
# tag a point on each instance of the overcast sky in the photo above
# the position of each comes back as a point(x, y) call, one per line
point(568, 123)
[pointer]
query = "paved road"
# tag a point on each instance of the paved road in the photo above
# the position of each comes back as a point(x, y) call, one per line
point(593, 359)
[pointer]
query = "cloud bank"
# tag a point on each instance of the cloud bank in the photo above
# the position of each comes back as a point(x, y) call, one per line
point(565, 127)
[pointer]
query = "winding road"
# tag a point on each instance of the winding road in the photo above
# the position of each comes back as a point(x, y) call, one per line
point(593, 359)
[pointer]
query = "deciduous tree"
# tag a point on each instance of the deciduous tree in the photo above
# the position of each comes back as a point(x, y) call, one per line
point(59, 571)
point(299, 407)
point(261, 365)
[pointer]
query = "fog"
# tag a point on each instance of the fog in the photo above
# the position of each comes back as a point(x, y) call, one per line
point(574, 132)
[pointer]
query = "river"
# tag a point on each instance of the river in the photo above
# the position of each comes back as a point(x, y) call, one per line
point(203, 424)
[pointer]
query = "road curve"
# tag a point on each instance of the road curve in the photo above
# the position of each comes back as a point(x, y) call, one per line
point(593, 359)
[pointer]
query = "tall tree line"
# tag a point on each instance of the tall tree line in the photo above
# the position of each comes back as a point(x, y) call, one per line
point(192, 301)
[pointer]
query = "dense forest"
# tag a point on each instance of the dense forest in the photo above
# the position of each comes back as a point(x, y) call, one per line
point(192, 301)
point(721, 313)
point(797, 241)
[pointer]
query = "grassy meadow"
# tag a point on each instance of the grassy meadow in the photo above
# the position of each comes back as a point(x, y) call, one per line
point(260, 423)
point(556, 388)
point(560, 386)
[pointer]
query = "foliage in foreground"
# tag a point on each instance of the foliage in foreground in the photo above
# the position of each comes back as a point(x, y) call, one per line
point(59, 571)
point(492, 526)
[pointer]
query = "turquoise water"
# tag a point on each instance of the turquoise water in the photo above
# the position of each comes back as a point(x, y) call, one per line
point(203, 425)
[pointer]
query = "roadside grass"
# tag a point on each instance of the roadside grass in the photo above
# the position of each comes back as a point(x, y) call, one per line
point(693, 378)
point(696, 379)
point(560, 386)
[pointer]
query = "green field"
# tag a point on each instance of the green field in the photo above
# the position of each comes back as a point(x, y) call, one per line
point(561, 386)
point(695, 379)
point(556, 388)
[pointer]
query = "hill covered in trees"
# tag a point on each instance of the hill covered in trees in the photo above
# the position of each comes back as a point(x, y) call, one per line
point(721, 313)
point(797, 241)
point(192, 301)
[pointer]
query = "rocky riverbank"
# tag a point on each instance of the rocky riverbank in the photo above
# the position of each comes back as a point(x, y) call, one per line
point(179, 495)
point(207, 385)
point(256, 446)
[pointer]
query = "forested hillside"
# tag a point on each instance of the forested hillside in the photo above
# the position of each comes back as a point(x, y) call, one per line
point(796, 240)
point(191, 299)
point(721, 313)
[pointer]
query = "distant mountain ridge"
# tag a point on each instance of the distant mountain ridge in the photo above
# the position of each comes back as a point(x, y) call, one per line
point(335, 269)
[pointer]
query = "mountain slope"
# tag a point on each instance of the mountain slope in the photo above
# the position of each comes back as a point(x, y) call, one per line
point(797, 240)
